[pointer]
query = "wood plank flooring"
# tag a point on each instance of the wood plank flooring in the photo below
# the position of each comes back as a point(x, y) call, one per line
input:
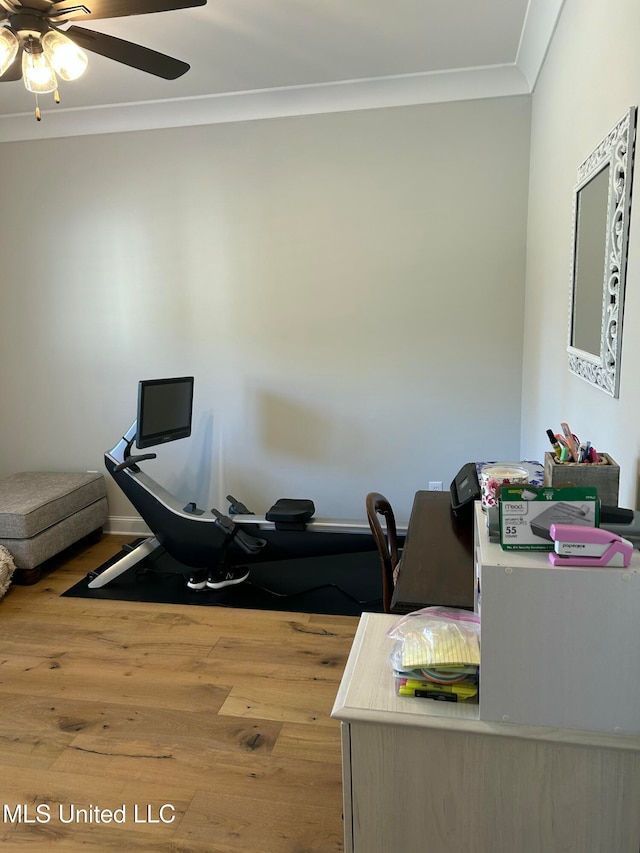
point(153, 727)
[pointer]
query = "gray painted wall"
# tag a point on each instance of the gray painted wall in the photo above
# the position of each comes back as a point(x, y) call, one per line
point(348, 290)
point(590, 79)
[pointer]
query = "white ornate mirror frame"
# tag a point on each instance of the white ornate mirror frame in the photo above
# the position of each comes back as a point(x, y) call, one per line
point(601, 211)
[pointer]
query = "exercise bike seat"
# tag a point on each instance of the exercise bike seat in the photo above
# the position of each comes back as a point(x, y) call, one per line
point(291, 513)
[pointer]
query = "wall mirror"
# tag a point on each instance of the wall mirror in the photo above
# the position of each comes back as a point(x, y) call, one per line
point(601, 212)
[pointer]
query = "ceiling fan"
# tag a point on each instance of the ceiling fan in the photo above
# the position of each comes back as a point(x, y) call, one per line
point(34, 47)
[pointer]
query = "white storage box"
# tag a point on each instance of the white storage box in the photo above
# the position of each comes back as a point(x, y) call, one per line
point(559, 645)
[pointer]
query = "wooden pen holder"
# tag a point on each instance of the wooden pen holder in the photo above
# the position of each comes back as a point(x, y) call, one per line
point(603, 475)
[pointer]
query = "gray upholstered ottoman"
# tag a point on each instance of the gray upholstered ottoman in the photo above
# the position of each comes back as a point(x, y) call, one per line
point(42, 513)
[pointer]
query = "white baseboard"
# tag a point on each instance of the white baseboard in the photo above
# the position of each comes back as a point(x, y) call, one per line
point(123, 525)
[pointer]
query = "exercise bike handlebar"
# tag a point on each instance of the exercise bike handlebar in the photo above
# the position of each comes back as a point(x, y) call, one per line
point(131, 461)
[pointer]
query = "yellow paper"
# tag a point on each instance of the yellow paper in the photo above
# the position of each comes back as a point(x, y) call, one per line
point(440, 648)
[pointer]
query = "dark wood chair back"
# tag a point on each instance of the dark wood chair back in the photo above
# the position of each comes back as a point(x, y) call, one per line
point(386, 539)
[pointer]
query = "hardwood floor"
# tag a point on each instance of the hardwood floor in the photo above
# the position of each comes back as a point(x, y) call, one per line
point(153, 727)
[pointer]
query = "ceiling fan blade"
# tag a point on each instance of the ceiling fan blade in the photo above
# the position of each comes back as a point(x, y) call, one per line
point(14, 71)
point(95, 9)
point(133, 55)
point(21, 5)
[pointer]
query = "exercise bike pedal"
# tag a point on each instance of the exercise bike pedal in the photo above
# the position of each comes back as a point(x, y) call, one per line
point(249, 544)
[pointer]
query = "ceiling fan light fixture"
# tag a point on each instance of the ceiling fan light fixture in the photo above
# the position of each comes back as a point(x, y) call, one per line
point(30, 30)
point(39, 77)
point(64, 55)
point(9, 44)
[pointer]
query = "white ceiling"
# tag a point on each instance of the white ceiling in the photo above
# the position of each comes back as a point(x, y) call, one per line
point(257, 58)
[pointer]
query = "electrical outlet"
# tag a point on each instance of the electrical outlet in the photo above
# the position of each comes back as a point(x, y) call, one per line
point(435, 485)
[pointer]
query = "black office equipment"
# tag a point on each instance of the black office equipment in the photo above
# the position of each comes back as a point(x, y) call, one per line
point(465, 489)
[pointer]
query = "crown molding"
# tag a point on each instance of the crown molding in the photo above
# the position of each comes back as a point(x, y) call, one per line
point(459, 84)
point(348, 95)
point(539, 26)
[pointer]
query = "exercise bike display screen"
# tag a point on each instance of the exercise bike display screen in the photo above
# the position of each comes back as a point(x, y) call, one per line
point(165, 409)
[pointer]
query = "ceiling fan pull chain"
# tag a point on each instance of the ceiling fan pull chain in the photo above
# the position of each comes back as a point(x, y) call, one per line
point(56, 96)
point(38, 113)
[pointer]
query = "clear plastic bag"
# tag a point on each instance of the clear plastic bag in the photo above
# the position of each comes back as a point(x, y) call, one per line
point(436, 640)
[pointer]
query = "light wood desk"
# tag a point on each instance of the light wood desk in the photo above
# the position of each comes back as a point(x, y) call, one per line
point(432, 777)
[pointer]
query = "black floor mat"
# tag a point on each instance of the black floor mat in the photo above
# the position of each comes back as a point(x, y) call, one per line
point(341, 584)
